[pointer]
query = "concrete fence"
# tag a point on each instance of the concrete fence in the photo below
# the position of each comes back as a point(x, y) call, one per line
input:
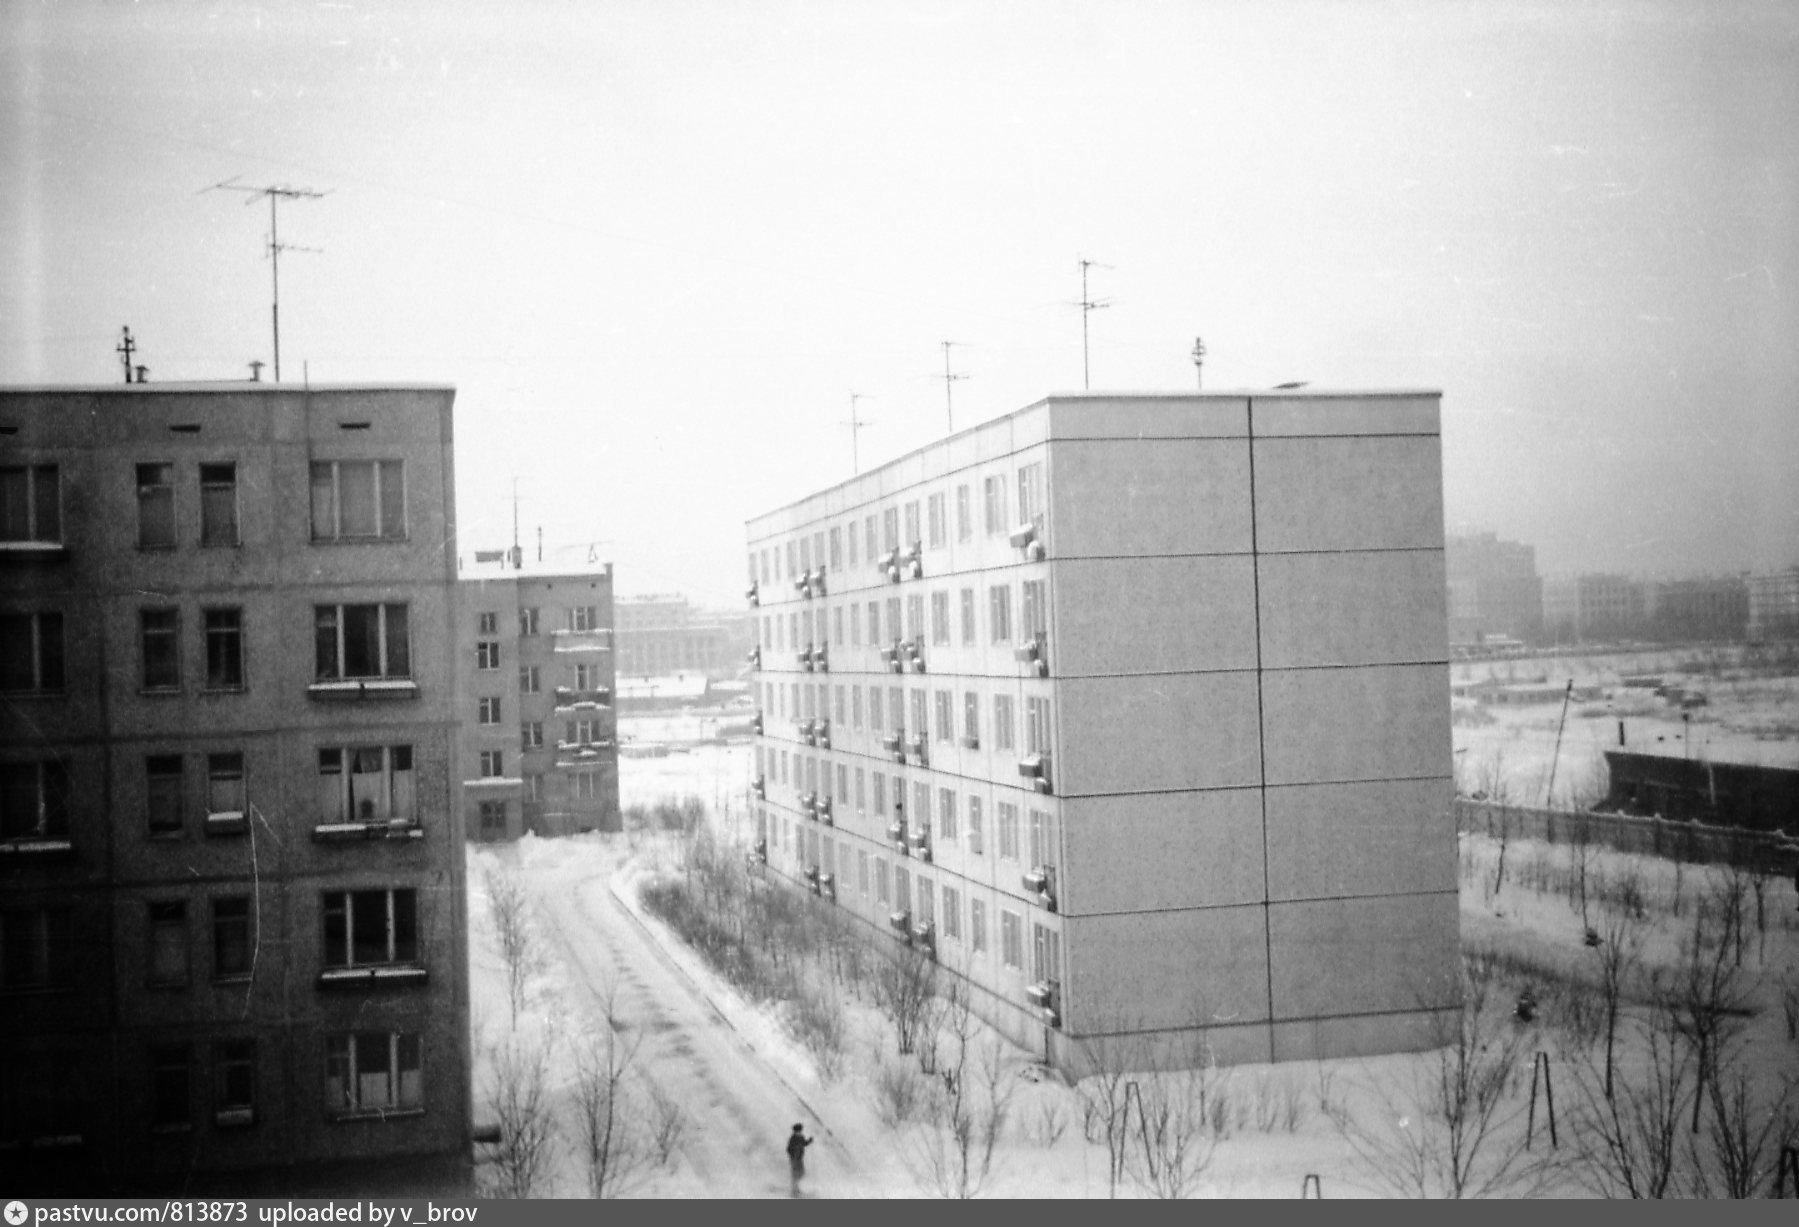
point(1685, 841)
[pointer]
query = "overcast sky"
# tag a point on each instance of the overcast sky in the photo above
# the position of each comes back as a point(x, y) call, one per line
point(656, 245)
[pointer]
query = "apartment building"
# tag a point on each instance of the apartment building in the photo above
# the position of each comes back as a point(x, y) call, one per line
point(233, 943)
point(540, 735)
point(665, 634)
point(1132, 711)
point(1773, 606)
point(1494, 589)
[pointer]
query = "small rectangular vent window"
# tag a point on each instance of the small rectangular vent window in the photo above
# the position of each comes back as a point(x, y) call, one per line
point(186, 428)
point(352, 425)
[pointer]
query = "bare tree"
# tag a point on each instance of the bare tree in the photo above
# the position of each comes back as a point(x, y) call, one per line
point(1738, 1155)
point(527, 1125)
point(1104, 1104)
point(612, 1145)
point(969, 1112)
point(1177, 1140)
point(1617, 953)
point(904, 986)
point(1461, 1135)
point(1627, 1130)
point(1706, 1002)
point(519, 953)
point(668, 1124)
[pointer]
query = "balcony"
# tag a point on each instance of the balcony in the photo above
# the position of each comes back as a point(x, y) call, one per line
point(1035, 768)
point(1041, 881)
point(754, 595)
point(585, 753)
point(491, 787)
point(589, 641)
point(30, 847)
point(381, 975)
point(33, 551)
point(1035, 653)
point(570, 701)
point(362, 832)
point(1046, 995)
point(227, 822)
point(901, 924)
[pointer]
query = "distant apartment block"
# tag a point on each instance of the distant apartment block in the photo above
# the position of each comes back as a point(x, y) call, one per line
point(539, 748)
point(1133, 712)
point(231, 857)
point(1494, 589)
point(1702, 609)
point(660, 636)
point(1593, 608)
point(1774, 606)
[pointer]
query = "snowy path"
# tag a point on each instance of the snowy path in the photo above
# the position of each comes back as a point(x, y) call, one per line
point(738, 1109)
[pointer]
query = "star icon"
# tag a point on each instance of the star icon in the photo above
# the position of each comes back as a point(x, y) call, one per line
point(16, 1213)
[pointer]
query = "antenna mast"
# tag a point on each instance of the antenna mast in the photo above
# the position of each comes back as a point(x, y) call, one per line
point(949, 380)
point(1088, 305)
point(857, 426)
point(276, 246)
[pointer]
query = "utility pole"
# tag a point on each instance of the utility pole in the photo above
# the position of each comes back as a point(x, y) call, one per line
point(1088, 305)
point(276, 246)
point(1199, 361)
point(949, 407)
point(517, 555)
point(857, 426)
point(124, 349)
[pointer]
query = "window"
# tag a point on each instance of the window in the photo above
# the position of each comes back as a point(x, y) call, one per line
point(968, 627)
point(589, 677)
point(946, 813)
point(855, 707)
point(1043, 840)
point(850, 542)
point(927, 901)
point(921, 805)
point(530, 679)
point(366, 928)
point(1030, 496)
point(837, 549)
point(1036, 726)
point(168, 1087)
point(584, 618)
point(218, 504)
point(874, 709)
point(855, 625)
point(921, 715)
point(493, 820)
point(34, 800)
point(371, 1072)
point(999, 614)
point(883, 892)
point(861, 789)
point(168, 944)
point(837, 626)
point(977, 925)
point(971, 717)
point(161, 649)
point(952, 913)
point(534, 787)
point(531, 735)
point(1002, 722)
point(487, 711)
point(358, 499)
point(946, 715)
point(880, 793)
point(362, 641)
point(994, 492)
point(861, 871)
point(896, 708)
point(155, 506)
point(225, 785)
point(1011, 938)
point(224, 649)
point(586, 786)
point(940, 618)
point(232, 952)
point(487, 654)
point(912, 533)
point(234, 1081)
point(366, 784)
point(493, 763)
point(915, 617)
point(902, 888)
point(31, 653)
point(1008, 831)
point(964, 520)
point(869, 533)
point(165, 786)
point(527, 622)
point(1033, 610)
point(935, 521)
point(976, 840)
point(487, 624)
point(30, 503)
point(837, 696)
point(1046, 953)
point(35, 948)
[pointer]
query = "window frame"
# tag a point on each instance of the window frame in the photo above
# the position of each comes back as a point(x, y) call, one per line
point(225, 532)
point(381, 505)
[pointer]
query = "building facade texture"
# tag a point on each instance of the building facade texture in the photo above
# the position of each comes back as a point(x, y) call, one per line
point(1774, 606)
point(540, 738)
point(1133, 712)
point(663, 635)
point(1494, 589)
point(231, 854)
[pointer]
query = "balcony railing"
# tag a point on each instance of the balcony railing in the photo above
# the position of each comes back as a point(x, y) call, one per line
point(599, 640)
point(361, 832)
point(380, 975)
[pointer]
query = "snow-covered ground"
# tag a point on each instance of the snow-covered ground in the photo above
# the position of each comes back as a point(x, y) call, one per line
point(742, 1079)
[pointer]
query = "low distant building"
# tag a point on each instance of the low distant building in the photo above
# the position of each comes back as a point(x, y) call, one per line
point(1773, 606)
point(1704, 609)
point(664, 635)
point(539, 745)
point(1495, 592)
point(1747, 795)
point(1593, 608)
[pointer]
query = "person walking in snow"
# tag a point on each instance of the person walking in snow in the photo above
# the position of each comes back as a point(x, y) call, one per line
point(797, 1141)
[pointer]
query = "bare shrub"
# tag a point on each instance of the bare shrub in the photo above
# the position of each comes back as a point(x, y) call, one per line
point(1738, 1153)
point(668, 1125)
point(1627, 1128)
point(966, 1116)
point(817, 1020)
point(520, 1100)
point(612, 1146)
point(1177, 1141)
point(1047, 1122)
point(899, 1093)
point(904, 983)
point(517, 942)
point(1104, 1114)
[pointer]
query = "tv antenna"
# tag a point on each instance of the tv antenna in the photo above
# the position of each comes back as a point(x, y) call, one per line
point(1199, 361)
point(276, 246)
point(857, 426)
point(949, 380)
point(1088, 306)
